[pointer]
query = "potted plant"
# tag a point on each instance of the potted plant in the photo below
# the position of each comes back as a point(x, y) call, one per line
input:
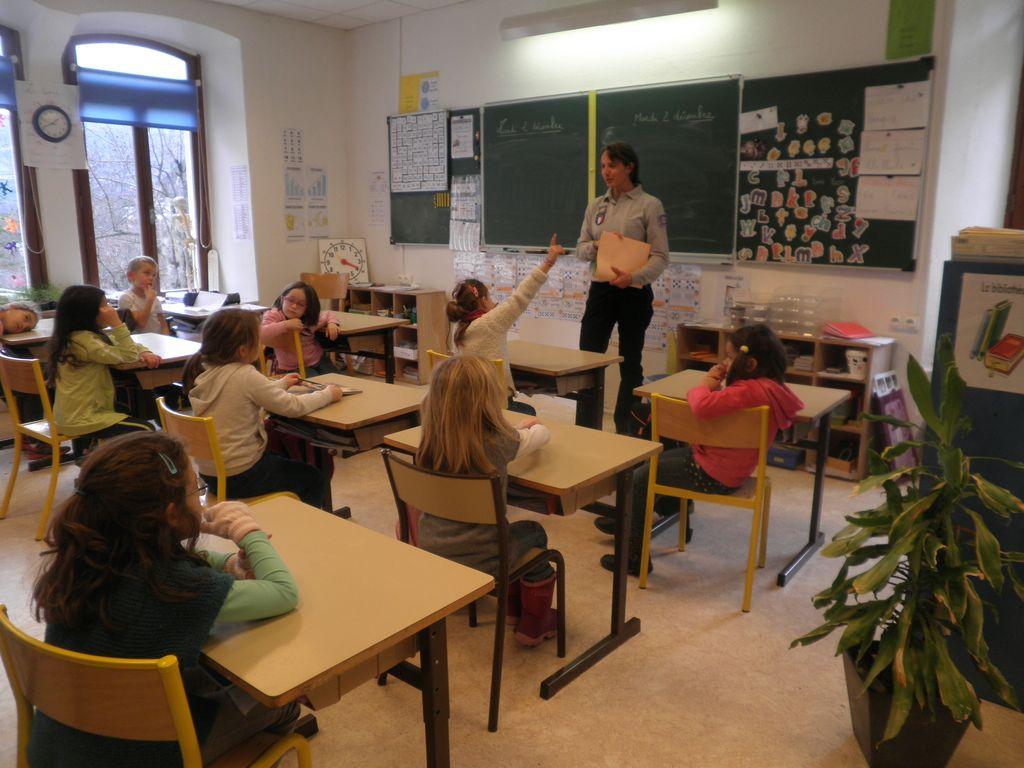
point(44, 295)
point(909, 586)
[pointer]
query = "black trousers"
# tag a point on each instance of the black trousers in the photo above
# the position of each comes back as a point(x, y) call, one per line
point(632, 309)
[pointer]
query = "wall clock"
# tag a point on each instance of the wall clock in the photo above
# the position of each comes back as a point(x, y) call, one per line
point(345, 256)
point(51, 123)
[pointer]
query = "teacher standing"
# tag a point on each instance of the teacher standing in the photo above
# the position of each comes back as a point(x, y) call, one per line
point(625, 209)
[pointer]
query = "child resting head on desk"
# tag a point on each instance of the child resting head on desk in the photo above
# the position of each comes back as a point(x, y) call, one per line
point(122, 577)
point(221, 382)
point(18, 317)
point(298, 309)
point(482, 326)
point(753, 374)
point(465, 432)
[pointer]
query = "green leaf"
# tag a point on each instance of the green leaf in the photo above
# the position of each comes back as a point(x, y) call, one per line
point(1008, 462)
point(911, 512)
point(952, 400)
point(932, 545)
point(987, 548)
point(902, 698)
point(847, 544)
point(814, 635)
point(876, 464)
point(899, 672)
point(956, 693)
point(973, 623)
point(899, 449)
point(886, 651)
point(878, 521)
point(875, 577)
point(997, 498)
point(1018, 584)
point(944, 352)
point(1000, 685)
point(874, 481)
point(869, 552)
point(952, 460)
point(881, 418)
point(863, 625)
point(921, 391)
point(926, 658)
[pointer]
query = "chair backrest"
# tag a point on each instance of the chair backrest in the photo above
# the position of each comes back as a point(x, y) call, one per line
point(674, 419)
point(463, 498)
point(139, 699)
point(437, 357)
point(199, 435)
point(24, 376)
point(269, 367)
point(327, 285)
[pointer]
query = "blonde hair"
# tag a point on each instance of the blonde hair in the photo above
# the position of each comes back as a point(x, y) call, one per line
point(462, 408)
point(139, 262)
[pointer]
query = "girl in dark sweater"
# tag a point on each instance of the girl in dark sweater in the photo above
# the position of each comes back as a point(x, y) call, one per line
point(123, 578)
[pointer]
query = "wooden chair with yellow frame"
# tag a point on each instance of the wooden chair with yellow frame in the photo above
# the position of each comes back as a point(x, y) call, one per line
point(438, 357)
point(673, 419)
point(481, 501)
point(199, 435)
point(267, 366)
point(328, 286)
point(138, 699)
point(25, 376)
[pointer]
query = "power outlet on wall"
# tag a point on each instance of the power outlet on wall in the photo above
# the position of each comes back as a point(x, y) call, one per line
point(905, 323)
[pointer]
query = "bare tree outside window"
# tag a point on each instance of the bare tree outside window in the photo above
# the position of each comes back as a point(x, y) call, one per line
point(13, 269)
point(110, 151)
point(170, 159)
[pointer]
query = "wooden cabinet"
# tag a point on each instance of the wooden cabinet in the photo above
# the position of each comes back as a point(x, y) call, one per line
point(429, 331)
point(701, 346)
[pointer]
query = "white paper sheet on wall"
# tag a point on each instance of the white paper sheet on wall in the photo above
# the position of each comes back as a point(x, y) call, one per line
point(891, 107)
point(241, 212)
point(419, 152)
point(759, 120)
point(462, 137)
point(892, 152)
point(888, 197)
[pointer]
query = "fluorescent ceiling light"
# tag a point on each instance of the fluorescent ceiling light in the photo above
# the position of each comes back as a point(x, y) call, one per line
point(596, 14)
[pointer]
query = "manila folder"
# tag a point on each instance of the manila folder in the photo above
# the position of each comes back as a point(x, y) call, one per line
point(625, 253)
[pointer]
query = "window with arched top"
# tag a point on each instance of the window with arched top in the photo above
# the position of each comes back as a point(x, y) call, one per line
point(145, 188)
point(21, 249)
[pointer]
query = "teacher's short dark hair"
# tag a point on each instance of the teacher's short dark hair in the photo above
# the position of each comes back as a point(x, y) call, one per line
point(625, 154)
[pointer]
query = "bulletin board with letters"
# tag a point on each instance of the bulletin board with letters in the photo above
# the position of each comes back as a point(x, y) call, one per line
point(831, 166)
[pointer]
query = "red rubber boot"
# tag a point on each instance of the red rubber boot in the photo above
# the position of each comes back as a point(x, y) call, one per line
point(539, 620)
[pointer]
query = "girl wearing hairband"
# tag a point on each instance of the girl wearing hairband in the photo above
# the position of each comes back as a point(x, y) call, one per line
point(627, 301)
point(752, 375)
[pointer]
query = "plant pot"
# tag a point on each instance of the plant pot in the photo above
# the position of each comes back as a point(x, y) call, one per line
point(922, 743)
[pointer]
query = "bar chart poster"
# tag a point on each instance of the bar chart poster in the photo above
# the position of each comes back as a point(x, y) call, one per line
point(294, 203)
point(317, 221)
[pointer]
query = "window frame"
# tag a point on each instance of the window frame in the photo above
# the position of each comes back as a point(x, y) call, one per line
point(31, 232)
point(143, 173)
point(1015, 197)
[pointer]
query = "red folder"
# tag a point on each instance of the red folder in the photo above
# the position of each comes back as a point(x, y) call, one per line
point(847, 330)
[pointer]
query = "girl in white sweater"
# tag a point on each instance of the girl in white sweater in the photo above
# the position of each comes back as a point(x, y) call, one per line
point(482, 327)
point(222, 382)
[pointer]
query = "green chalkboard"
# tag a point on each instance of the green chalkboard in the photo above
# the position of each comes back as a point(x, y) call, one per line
point(791, 211)
point(535, 170)
point(420, 218)
point(686, 137)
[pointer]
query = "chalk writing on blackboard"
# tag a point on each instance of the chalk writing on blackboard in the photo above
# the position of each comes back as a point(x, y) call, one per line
point(529, 128)
point(674, 116)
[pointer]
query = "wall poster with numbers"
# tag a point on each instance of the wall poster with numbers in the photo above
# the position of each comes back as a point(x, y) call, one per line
point(831, 166)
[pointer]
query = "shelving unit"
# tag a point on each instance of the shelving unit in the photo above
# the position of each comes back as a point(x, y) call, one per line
point(701, 346)
point(430, 331)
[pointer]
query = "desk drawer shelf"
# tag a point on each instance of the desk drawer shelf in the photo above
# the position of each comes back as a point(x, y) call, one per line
point(430, 331)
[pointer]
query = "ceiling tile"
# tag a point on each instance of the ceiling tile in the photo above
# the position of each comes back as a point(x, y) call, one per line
point(382, 10)
point(234, 2)
point(428, 4)
point(330, 6)
point(288, 10)
point(341, 21)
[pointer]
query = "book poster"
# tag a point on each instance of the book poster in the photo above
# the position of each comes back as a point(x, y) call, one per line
point(989, 343)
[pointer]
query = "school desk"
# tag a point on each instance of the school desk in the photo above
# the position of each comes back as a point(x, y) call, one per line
point(173, 352)
point(818, 405)
point(578, 466)
point(38, 336)
point(350, 625)
point(198, 314)
point(561, 370)
point(354, 325)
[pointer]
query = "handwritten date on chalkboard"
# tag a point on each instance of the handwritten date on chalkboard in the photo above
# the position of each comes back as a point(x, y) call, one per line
point(676, 116)
point(527, 128)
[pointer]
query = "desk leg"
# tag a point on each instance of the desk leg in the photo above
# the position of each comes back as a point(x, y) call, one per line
point(434, 679)
point(389, 355)
point(815, 538)
point(621, 628)
point(597, 412)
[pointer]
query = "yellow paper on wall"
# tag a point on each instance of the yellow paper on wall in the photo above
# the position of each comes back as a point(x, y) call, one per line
point(417, 93)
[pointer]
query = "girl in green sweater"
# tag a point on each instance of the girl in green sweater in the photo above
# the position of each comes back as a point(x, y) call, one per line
point(123, 578)
point(80, 356)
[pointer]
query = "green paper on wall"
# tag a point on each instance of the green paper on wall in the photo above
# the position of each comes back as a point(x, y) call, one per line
point(910, 28)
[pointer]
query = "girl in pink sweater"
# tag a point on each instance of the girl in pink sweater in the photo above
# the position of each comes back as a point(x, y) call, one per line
point(298, 309)
point(753, 374)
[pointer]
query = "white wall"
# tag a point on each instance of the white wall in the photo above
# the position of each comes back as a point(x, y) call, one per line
point(260, 74)
point(756, 38)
